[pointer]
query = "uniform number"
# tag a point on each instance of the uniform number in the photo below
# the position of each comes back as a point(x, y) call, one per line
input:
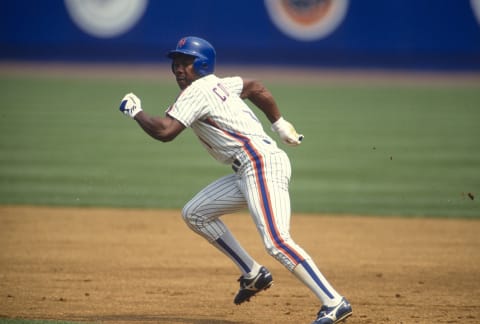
point(221, 92)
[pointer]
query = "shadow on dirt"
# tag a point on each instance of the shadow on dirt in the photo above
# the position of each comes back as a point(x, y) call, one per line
point(133, 318)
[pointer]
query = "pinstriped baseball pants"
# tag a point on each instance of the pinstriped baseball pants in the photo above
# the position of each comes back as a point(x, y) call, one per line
point(261, 184)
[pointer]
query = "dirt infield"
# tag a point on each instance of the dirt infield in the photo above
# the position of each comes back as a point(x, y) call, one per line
point(145, 266)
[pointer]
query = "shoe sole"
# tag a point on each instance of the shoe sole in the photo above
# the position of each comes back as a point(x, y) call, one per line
point(343, 318)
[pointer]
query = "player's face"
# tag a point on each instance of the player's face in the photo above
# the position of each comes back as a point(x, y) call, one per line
point(183, 70)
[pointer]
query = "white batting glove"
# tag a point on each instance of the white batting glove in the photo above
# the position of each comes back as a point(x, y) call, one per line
point(287, 132)
point(131, 105)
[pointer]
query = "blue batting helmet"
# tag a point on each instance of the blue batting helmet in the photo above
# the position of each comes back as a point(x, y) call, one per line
point(202, 50)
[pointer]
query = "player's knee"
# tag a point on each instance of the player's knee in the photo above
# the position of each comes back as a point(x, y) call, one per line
point(189, 216)
point(281, 257)
point(272, 250)
point(274, 246)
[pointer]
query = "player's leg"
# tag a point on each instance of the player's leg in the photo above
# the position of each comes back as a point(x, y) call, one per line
point(265, 186)
point(202, 214)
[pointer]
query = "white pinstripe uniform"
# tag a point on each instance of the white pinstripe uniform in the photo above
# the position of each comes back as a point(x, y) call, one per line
point(232, 134)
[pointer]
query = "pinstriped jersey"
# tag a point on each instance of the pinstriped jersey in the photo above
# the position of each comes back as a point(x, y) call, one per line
point(222, 121)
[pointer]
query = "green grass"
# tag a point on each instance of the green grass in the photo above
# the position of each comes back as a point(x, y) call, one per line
point(384, 150)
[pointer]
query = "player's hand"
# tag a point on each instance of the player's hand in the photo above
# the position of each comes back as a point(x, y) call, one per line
point(287, 132)
point(131, 105)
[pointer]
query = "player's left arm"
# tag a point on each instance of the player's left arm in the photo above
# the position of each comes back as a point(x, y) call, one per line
point(261, 97)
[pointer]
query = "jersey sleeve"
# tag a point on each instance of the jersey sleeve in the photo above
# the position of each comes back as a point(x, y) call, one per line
point(234, 84)
point(189, 107)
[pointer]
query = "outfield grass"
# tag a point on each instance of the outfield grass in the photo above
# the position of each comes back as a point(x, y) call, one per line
point(384, 150)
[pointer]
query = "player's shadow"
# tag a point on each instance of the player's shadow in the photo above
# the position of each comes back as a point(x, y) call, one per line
point(161, 319)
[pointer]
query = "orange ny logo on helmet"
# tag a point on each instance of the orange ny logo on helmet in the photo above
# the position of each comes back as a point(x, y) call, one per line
point(181, 42)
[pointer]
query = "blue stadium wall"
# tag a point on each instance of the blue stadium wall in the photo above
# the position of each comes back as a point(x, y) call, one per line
point(427, 34)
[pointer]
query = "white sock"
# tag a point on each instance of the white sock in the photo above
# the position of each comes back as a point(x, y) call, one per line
point(229, 245)
point(255, 270)
point(308, 273)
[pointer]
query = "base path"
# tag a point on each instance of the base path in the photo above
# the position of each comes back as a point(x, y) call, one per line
point(146, 266)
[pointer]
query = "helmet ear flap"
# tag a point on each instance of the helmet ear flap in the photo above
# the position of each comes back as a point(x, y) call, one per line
point(200, 66)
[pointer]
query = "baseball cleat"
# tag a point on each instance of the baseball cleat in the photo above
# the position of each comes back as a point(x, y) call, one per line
point(250, 287)
point(335, 314)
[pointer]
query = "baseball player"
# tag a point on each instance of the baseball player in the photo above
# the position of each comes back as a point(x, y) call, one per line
point(229, 130)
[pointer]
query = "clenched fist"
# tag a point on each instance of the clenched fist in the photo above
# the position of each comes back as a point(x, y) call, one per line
point(287, 132)
point(131, 105)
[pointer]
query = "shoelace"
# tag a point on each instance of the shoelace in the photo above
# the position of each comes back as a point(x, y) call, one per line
point(322, 311)
point(245, 284)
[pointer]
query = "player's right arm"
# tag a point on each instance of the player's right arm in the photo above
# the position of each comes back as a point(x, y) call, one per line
point(163, 129)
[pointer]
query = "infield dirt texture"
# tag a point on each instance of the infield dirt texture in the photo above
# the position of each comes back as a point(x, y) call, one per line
point(137, 266)
point(101, 265)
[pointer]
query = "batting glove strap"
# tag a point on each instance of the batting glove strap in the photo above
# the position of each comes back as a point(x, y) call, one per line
point(287, 132)
point(131, 105)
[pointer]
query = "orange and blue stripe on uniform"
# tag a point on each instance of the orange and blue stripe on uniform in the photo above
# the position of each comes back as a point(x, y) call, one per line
point(266, 204)
point(268, 214)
